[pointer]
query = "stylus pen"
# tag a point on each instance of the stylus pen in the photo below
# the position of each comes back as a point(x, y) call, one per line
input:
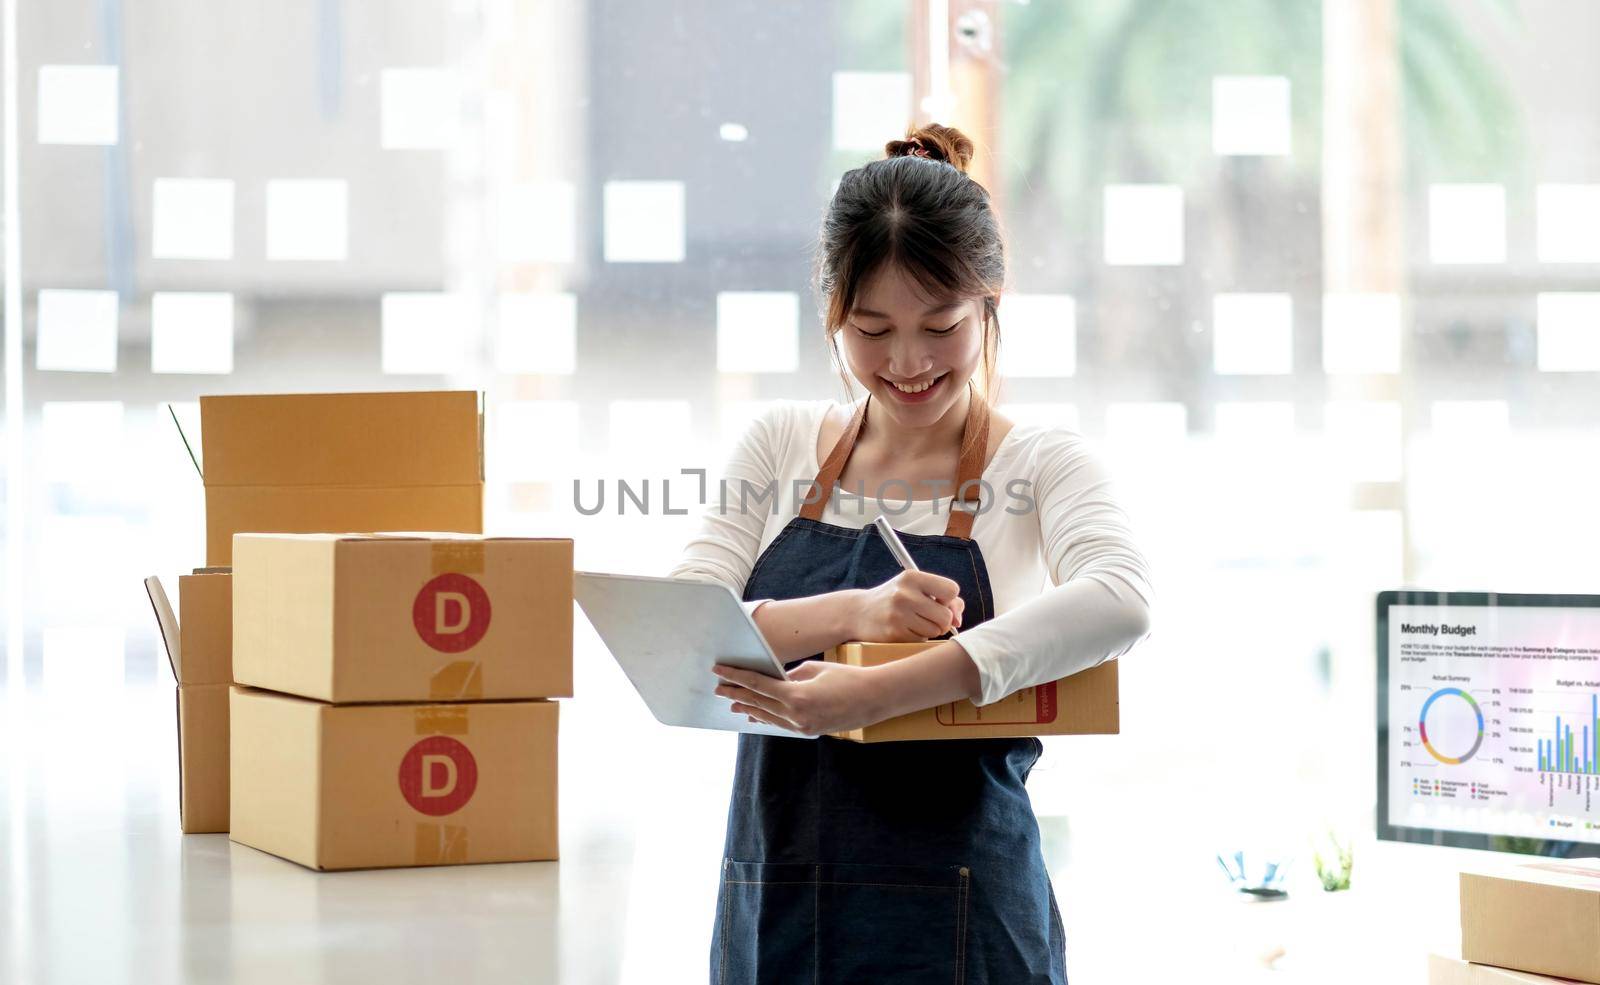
point(892, 540)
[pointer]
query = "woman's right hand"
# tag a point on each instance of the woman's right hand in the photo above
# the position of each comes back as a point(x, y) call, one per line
point(910, 607)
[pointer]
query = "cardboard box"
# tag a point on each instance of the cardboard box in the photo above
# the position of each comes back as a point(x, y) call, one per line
point(198, 651)
point(1454, 971)
point(375, 786)
point(372, 617)
point(340, 461)
point(1542, 917)
point(1082, 704)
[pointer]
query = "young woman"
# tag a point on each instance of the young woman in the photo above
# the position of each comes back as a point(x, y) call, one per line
point(905, 861)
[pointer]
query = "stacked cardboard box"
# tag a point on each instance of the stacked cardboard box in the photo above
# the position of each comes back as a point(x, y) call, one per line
point(1082, 704)
point(303, 462)
point(392, 695)
point(1522, 922)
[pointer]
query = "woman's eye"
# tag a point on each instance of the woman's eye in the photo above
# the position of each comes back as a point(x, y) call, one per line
point(873, 335)
point(945, 331)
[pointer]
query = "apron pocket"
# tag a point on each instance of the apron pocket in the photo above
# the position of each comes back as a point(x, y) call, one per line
point(766, 932)
point(891, 923)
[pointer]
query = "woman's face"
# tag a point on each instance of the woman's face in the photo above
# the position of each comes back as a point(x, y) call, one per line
point(914, 353)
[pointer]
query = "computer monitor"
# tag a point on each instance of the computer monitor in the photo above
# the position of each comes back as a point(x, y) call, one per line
point(1489, 721)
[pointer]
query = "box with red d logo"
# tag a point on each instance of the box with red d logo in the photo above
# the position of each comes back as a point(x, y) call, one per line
point(390, 617)
point(380, 785)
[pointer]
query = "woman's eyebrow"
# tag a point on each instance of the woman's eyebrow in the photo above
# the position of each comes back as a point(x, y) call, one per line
point(936, 309)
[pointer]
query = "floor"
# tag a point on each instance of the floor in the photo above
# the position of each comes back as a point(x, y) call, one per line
point(98, 886)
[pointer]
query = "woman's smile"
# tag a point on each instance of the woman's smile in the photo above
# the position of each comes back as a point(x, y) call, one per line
point(917, 391)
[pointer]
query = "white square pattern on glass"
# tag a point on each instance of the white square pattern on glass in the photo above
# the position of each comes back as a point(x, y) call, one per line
point(420, 108)
point(1253, 334)
point(77, 331)
point(1569, 331)
point(1250, 115)
point(1146, 423)
point(1043, 414)
point(644, 221)
point(191, 332)
point(1467, 223)
point(82, 439)
point(193, 219)
point(646, 438)
point(1249, 421)
point(1361, 333)
point(534, 440)
point(1470, 419)
point(870, 109)
point(1041, 335)
point(1364, 437)
point(78, 104)
point(424, 332)
point(536, 333)
point(537, 223)
point(308, 219)
point(758, 332)
point(1569, 223)
point(1143, 225)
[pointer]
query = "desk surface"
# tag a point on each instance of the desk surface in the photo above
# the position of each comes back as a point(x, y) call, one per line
point(100, 886)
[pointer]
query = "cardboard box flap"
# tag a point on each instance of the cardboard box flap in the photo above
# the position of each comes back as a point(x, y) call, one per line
point(167, 622)
point(423, 438)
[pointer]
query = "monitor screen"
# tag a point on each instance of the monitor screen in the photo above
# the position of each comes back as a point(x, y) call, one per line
point(1489, 721)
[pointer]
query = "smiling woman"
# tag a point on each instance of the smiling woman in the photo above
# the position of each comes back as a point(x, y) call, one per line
point(906, 861)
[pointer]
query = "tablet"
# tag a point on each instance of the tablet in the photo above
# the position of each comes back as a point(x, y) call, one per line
point(666, 633)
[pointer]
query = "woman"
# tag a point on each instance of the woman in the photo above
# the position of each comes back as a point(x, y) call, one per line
point(905, 861)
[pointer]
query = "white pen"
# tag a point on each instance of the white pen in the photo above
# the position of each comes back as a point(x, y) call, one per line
point(892, 540)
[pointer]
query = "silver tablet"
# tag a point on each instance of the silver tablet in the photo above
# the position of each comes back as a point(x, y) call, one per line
point(666, 633)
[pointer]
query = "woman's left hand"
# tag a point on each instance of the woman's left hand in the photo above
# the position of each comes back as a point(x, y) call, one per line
point(818, 697)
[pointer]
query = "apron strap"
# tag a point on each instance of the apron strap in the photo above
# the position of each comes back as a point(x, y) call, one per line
point(975, 447)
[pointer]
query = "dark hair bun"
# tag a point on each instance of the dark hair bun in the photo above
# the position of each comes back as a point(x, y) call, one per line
point(936, 142)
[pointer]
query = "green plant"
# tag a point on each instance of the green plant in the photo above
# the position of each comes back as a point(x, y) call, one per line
point(1335, 879)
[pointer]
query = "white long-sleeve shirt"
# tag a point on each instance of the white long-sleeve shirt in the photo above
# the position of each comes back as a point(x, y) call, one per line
point(1097, 604)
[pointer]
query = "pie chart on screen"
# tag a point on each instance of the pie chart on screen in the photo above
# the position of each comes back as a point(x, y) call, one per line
point(1451, 725)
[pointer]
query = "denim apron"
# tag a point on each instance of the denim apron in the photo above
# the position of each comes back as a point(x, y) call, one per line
point(885, 862)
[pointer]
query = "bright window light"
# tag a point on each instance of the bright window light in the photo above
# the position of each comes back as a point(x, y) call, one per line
point(870, 109)
point(647, 436)
point(80, 659)
point(734, 133)
point(1144, 225)
point(308, 219)
point(77, 331)
point(537, 223)
point(758, 332)
point(734, 418)
point(1254, 420)
point(1253, 334)
point(82, 439)
point(1364, 436)
point(1467, 223)
point(424, 333)
point(1361, 333)
point(644, 221)
point(420, 108)
point(1250, 115)
point(1146, 423)
point(193, 219)
point(1040, 335)
point(536, 333)
point(1470, 418)
point(534, 440)
point(191, 332)
point(1569, 223)
point(1043, 414)
point(1569, 332)
point(77, 104)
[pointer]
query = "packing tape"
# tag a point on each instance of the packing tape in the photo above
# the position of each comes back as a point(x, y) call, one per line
point(460, 680)
point(439, 844)
point(464, 556)
point(448, 720)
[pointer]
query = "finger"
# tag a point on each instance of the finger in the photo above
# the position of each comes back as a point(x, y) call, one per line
point(759, 683)
point(928, 583)
point(807, 670)
point(747, 697)
point(934, 612)
point(758, 715)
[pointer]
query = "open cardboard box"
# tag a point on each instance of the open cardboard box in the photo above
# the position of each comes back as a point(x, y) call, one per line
point(380, 785)
point(1085, 703)
point(301, 463)
point(199, 649)
point(403, 617)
